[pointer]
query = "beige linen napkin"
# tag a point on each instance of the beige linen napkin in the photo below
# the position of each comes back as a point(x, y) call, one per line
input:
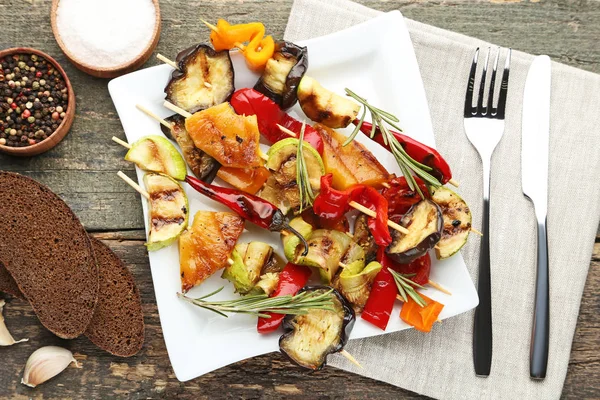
point(440, 364)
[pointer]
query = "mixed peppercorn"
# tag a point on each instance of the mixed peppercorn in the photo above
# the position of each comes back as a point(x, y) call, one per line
point(33, 100)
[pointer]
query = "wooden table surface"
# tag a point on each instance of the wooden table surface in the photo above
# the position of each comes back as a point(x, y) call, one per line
point(82, 171)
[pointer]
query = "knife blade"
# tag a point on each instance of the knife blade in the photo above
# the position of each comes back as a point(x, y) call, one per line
point(534, 168)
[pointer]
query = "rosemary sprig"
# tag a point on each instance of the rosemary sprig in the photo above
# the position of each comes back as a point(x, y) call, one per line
point(407, 287)
point(260, 304)
point(407, 164)
point(307, 196)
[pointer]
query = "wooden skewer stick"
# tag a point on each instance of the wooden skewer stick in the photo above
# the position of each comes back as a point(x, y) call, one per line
point(439, 287)
point(286, 131)
point(134, 185)
point(453, 182)
point(372, 214)
point(152, 115)
point(350, 358)
point(121, 142)
point(386, 185)
point(209, 25)
point(176, 109)
point(476, 231)
point(167, 61)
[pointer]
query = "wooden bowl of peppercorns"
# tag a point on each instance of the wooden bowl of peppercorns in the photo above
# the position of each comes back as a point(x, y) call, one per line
point(37, 103)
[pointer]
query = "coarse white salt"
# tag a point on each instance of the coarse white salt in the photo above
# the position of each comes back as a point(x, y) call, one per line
point(105, 33)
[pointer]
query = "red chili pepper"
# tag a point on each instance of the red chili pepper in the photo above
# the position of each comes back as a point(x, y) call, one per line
point(333, 204)
point(417, 150)
point(268, 114)
point(248, 206)
point(421, 267)
point(401, 197)
point(291, 279)
point(381, 299)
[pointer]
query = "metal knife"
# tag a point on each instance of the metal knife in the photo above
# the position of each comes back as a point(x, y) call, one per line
point(534, 165)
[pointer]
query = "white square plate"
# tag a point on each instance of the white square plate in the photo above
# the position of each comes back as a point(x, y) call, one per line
point(359, 58)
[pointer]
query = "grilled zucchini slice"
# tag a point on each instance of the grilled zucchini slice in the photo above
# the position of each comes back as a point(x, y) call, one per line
point(457, 222)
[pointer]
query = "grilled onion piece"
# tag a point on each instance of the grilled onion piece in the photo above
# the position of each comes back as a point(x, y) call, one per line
point(425, 222)
point(169, 210)
point(310, 338)
point(202, 165)
point(457, 222)
point(249, 259)
point(283, 72)
point(204, 79)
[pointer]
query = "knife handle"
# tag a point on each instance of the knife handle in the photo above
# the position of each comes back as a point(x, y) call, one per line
point(482, 328)
point(540, 334)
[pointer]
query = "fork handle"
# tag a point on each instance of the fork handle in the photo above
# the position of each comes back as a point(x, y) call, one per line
point(540, 333)
point(482, 328)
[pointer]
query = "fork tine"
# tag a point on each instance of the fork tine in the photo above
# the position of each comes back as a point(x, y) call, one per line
point(469, 112)
point(490, 106)
point(480, 108)
point(504, 87)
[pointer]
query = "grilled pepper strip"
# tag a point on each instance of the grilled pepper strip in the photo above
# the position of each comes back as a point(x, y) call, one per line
point(259, 49)
point(269, 115)
point(247, 180)
point(333, 204)
point(248, 206)
point(416, 150)
point(401, 197)
point(291, 280)
point(381, 299)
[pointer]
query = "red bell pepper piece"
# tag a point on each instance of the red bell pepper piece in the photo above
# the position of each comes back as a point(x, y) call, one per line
point(421, 267)
point(291, 279)
point(401, 197)
point(268, 114)
point(381, 299)
point(417, 150)
point(333, 204)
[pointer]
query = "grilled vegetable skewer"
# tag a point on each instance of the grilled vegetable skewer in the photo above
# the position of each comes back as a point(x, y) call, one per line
point(169, 209)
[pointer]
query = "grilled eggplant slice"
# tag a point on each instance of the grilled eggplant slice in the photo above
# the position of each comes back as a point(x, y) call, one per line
point(325, 251)
point(204, 79)
point(156, 154)
point(363, 236)
point(202, 165)
point(283, 73)
point(324, 106)
point(457, 222)
point(425, 222)
point(310, 338)
point(206, 246)
point(169, 210)
point(248, 262)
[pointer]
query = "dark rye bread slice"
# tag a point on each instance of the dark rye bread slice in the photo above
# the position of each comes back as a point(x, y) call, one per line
point(118, 322)
point(8, 284)
point(48, 253)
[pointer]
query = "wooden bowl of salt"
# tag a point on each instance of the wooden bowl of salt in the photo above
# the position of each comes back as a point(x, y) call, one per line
point(106, 38)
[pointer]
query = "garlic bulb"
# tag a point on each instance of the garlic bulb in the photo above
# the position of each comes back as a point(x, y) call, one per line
point(6, 338)
point(45, 363)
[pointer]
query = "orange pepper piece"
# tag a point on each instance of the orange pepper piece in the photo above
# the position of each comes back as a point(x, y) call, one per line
point(259, 49)
point(421, 318)
point(249, 180)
